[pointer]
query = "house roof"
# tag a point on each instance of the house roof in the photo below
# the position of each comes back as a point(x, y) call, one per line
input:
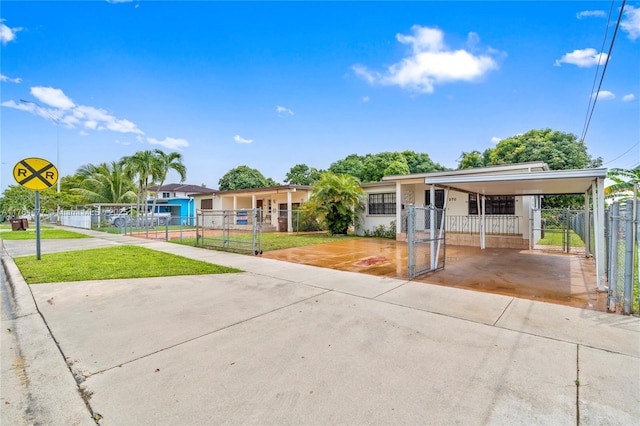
point(279, 188)
point(180, 187)
point(533, 166)
point(535, 183)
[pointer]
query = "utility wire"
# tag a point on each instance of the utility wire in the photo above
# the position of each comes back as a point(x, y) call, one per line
point(620, 156)
point(604, 70)
point(595, 76)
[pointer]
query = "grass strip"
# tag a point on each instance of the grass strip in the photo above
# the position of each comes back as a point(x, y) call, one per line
point(45, 234)
point(111, 263)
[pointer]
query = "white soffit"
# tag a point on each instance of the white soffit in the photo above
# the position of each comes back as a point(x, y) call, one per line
point(535, 183)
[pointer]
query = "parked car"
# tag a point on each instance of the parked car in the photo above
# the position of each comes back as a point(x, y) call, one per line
point(130, 216)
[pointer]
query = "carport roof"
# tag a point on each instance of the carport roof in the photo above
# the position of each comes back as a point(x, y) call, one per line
point(534, 183)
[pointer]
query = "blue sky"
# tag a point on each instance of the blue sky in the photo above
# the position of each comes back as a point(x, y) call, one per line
point(274, 84)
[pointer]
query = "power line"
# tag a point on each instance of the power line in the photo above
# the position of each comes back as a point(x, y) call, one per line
point(604, 70)
point(619, 156)
point(595, 76)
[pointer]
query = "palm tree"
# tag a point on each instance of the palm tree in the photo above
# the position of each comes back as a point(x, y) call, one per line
point(624, 181)
point(142, 167)
point(336, 200)
point(163, 164)
point(104, 183)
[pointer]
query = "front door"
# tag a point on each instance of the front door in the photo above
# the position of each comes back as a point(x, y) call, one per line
point(259, 206)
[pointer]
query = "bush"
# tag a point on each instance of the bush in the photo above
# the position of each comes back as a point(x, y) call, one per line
point(381, 231)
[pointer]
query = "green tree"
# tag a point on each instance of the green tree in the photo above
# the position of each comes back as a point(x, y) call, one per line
point(374, 165)
point(396, 168)
point(301, 174)
point(103, 183)
point(244, 177)
point(471, 160)
point(336, 199)
point(421, 163)
point(163, 164)
point(17, 200)
point(623, 181)
point(560, 150)
point(351, 165)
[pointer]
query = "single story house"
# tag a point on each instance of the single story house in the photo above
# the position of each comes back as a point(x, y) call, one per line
point(496, 206)
point(277, 203)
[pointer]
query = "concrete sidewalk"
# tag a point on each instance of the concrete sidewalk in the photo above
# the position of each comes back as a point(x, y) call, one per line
point(284, 343)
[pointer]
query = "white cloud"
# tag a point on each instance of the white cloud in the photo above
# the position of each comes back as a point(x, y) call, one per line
point(604, 95)
point(7, 34)
point(283, 110)
point(170, 143)
point(431, 63)
point(631, 22)
point(583, 58)
point(365, 99)
point(53, 104)
point(52, 97)
point(628, 98)
point(495, 140)
point(9, 79)
point(591, 13)
point(240, 139)
point(118, 1)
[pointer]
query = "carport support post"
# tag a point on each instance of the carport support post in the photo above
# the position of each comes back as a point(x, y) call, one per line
point(598, 222)
point(289, 212)
point(483, 224)
point(432, 226)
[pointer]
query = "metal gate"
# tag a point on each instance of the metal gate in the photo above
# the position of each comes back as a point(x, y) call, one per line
point(426, 240)
point(560, 230)
point(235, 230)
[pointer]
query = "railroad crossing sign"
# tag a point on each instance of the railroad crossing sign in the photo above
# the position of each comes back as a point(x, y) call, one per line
point(35, 174)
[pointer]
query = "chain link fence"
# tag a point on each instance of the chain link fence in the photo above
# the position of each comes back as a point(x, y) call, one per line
point(622, 256)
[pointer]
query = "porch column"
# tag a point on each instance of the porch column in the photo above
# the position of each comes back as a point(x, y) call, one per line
point(289, 213)
point(598, 222)
point(399, 223)
point(587, 225)
point(235, 202)
point(253, 201)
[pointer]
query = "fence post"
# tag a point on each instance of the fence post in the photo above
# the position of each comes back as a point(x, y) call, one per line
point(613, 257)
point(411, 225)
point(628, 255)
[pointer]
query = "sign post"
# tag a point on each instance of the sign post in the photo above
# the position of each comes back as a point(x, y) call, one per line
point(36, 174)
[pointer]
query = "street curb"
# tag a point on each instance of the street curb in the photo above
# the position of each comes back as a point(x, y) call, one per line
point(53, 396)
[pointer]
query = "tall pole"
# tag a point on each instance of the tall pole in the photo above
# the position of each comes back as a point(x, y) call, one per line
point(57, 121)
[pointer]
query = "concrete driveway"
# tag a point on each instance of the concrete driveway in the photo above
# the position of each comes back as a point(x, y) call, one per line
point(285, 343)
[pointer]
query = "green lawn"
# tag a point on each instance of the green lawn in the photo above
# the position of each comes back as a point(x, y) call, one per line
point(273, 241)
point(554, 238)
point(45, 234)
point(111, 263)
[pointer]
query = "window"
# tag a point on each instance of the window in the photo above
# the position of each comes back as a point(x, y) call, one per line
point(382, 204)
point(206, 204)
point(494, 204)
point(166, 195)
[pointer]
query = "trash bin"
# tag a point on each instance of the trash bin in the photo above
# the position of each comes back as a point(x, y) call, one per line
point(16, 225)
point(25, 224)
point(282, 224)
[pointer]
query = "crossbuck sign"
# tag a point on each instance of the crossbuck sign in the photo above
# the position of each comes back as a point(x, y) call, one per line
point(35, 174)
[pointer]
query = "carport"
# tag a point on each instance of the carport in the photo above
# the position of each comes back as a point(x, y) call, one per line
point(587, 182)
